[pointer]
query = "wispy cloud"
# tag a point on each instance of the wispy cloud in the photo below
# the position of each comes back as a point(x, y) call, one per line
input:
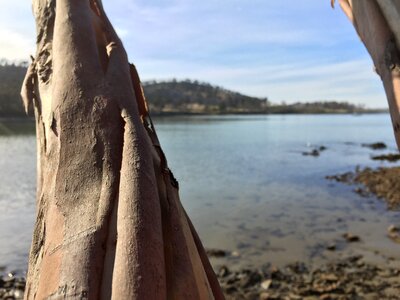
point(285, 50)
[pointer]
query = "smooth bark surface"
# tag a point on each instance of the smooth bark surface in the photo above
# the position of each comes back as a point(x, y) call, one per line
point(109, 221)
point(377, 24)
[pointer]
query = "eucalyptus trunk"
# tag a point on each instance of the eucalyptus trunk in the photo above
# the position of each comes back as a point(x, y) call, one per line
point(377, 22)
point(109, 221)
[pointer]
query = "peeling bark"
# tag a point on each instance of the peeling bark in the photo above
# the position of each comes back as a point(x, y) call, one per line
point(377, 24)
point(110, 224)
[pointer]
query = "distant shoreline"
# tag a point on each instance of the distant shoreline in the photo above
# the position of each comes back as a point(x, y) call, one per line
point(163, 114)
point(29, 119)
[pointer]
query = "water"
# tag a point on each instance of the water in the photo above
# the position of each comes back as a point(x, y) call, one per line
point(245, 184)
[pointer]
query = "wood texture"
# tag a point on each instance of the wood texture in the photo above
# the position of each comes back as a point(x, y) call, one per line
point(110, 224)
point(373, 27)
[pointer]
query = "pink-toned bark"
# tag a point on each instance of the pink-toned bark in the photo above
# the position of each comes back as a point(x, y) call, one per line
point(110, 224)
point(377, 25)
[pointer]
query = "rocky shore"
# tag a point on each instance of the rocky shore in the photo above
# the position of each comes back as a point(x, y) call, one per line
point(382, 182)
point(350, 278)
point(12, 287)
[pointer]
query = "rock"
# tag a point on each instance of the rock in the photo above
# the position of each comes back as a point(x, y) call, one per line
point(345, 178)
point(2, 292)
point(351, 238)
point(375, 146)
point(266, 284)
point(388, 157)
point(265, 296)
point(18, 294)
point(216, 253)
point(361, 192)
point(250, 279)
point(9, 296)
point(313, 152)
point(393, 229)
point(231, 290)
point(331, 247)
point(223, 271)
point(394, 233)
point(298, 268)
point(235, 254)
point(329, 277)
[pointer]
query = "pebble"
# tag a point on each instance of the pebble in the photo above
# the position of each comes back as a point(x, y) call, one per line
point(351, 238)
point(331, 247)
point(266, 284)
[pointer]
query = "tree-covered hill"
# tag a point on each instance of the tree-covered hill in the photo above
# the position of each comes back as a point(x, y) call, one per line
point(195, 97)
point(177, 97)
point(320, 107)
point(11, 77)
point(169, 97)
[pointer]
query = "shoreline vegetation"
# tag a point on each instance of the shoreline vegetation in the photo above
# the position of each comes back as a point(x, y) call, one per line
point(183, 98)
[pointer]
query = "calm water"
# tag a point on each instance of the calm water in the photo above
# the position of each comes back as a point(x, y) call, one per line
point(245, 184)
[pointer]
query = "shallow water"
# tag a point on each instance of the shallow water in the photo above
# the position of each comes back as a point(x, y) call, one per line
point(245, 184)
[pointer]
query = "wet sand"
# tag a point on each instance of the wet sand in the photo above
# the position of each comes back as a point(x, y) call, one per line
point(340, 275)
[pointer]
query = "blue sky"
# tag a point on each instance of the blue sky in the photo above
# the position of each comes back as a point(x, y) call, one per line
point(284, 50)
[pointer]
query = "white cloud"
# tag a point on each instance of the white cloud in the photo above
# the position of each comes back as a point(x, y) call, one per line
point(16, 45)
point(351, 81)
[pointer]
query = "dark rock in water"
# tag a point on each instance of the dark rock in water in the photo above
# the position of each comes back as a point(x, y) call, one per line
point(389, 157)
point(345, 177)
point(322, 148)
point(331, 247)
point(375, 146)
point(313, 152)
point(216, 253)
point(362, 192)
point(351, 238)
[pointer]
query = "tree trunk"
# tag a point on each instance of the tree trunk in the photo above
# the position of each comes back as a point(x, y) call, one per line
point(377, 24)
point(109, 221)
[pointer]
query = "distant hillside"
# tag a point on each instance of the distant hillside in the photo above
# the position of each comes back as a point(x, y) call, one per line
point(195, 97)
point(11, 77)
point(167, 97)
point(321, 107)
point(178, 97)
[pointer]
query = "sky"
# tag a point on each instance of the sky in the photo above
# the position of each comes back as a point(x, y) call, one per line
point(291, 51)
